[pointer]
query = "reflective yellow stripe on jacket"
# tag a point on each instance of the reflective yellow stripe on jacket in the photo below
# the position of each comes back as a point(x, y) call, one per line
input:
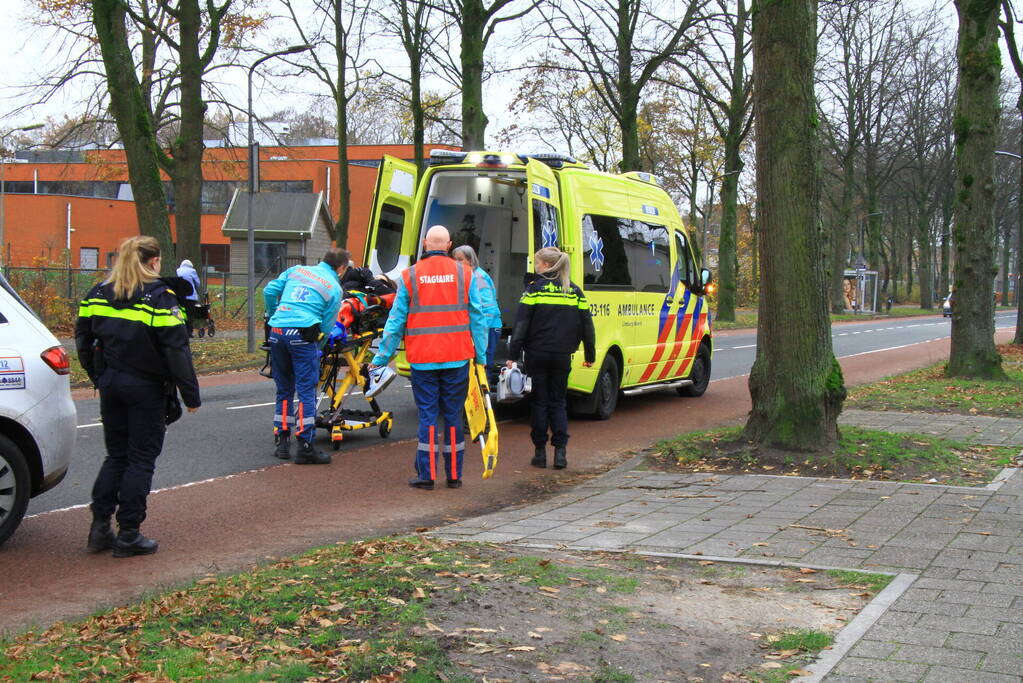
point(142, 313)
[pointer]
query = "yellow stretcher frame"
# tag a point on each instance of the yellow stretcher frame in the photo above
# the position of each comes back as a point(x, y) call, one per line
point(352, 354)
point(479, 414)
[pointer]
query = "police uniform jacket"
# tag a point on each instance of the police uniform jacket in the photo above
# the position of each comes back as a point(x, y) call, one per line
point(144, 336)
point(549, 320)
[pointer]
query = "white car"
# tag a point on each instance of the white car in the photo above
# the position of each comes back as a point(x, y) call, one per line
point(946, 307)
point(37, 416)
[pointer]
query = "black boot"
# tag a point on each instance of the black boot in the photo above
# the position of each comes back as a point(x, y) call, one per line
point(308, 455)
point(101, 536)
point(131, 542)
point(283, 441)
point(560, 458)
point(539, 457)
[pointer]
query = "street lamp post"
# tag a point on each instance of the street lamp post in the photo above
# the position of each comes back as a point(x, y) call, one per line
point(3, 186)
point(253, 163)
point(706, 215)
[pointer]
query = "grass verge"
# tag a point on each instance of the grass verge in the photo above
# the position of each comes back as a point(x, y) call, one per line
point(861, 454)
point(928, 390)
point(208, 355)
point(791, 650)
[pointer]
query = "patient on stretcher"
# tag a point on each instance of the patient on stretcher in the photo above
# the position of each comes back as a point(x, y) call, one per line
point(365, 307)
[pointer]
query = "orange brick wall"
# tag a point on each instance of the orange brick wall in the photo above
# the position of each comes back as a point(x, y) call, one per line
point(36, 224)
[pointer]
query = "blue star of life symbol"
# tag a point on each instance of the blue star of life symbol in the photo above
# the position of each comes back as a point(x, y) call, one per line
point(596, 246)
point(549, 233)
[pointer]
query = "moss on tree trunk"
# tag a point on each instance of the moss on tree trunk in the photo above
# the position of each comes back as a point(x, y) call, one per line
point(796, 384)
point(975, 125)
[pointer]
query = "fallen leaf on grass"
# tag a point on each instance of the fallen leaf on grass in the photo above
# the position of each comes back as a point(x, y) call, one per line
point(600, 589)
point(704, 563)
point(619, 637)
point(807, 570)
point(805, 580)
point(799, 672)
point(522, 648)
point(535, 635)
point(480, 630)
point(549, 589)
point(394, 601)
point(430, 626)
point(770, 665)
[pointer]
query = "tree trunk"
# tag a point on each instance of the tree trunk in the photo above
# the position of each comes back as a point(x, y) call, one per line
point(728, 263)
point(973, 351)
point(474, 119)
point(796, 384)
point(418, 117)
point(629, 123)
point(186, 151)
point(344, 185)
point(923, 240)
point(135, 126)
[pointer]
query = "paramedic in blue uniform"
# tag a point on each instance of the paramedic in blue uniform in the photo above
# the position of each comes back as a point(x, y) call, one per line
point(488, 299)
point(438, 312)
point(131, 339)
point(302, 305)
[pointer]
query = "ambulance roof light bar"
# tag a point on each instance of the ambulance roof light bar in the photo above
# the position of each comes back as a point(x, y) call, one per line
point(643, 177)
point(552, 159)
point(439, 157)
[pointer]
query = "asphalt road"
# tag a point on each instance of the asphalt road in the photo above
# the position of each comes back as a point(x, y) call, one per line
point(231, 432)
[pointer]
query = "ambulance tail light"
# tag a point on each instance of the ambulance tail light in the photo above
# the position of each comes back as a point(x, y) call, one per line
point(56, 357)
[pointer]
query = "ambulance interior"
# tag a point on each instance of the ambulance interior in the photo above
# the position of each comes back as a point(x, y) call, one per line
point(487, 211)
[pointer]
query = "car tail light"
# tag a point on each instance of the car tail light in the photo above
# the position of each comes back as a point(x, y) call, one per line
point(56, 357)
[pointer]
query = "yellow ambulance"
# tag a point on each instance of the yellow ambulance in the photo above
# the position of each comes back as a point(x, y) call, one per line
point(630, 253)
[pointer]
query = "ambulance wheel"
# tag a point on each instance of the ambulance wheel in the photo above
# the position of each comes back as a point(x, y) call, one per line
point(385, 429)
point(15, 484)
point(608, 383)
point(700, 374)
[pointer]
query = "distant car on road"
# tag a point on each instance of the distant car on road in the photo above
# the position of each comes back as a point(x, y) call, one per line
point(37, 415)
point(946, 307)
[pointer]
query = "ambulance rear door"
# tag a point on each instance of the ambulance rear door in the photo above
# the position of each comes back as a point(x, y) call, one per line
point(391, 224)
point(544, 219)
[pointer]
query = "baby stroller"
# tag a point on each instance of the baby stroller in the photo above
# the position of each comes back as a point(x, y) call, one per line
point(202, 321)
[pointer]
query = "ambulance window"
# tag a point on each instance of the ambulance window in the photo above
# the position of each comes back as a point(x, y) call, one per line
point(650, 257)
point(605, 263)
point(545, 224)
point(684, 260)
point(389, 229)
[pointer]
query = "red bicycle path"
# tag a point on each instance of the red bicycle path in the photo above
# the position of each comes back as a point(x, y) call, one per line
point(231, 523)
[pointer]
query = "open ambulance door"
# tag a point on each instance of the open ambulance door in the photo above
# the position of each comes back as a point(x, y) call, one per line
point(391, 223)
point(544, 219)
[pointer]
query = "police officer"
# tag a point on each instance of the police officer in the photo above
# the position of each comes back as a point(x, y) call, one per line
point(302, 304)
point(439, 313)
point(131, 339)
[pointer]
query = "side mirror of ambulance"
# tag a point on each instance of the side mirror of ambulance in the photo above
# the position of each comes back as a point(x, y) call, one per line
point(706, 277)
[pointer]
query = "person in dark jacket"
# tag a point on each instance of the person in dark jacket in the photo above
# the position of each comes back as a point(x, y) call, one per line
point(131, 339)
point(552, 319)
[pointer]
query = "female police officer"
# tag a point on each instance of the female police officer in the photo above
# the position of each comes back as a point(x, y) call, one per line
point(131, 339)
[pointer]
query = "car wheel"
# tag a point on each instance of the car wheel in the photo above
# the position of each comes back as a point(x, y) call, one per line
point(14, 487)
point(700, 374)
point(608, 384)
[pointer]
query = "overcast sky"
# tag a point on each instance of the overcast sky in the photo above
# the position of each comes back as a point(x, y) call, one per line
point(27, 51)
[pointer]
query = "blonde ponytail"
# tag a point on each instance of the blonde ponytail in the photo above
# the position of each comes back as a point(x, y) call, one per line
point(132, 270)
point(559, 266)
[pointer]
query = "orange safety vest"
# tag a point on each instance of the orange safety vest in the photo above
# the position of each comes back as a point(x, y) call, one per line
point(437, 329)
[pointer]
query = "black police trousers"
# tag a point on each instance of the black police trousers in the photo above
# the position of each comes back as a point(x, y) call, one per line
point(548, 407)
point(133, 410)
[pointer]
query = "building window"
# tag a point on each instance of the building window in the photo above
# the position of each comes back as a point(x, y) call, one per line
point(216, 256)
point(270, 257)
point(88, 258)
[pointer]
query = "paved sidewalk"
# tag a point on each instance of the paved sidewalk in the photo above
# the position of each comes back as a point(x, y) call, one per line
point(960, 620)
point(989, 431)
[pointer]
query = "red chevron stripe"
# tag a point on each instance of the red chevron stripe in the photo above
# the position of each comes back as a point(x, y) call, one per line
point(662, 337)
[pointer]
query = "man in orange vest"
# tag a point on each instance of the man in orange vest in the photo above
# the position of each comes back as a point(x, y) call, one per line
point(439, 313)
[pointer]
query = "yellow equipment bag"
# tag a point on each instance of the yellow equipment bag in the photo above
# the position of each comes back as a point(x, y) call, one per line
point(479, 414)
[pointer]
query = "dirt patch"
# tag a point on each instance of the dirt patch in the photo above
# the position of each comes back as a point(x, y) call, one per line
point(861, 454)
point(517, 616)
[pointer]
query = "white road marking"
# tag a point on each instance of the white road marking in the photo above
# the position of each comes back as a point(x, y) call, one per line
point(94, 424)
point(254, 405)
point(747, 346)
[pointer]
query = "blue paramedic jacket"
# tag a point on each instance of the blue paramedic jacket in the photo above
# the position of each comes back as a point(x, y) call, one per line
point(303, 296)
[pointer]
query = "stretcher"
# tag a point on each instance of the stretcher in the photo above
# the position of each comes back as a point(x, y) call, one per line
point(479, 414)
point(345, 366)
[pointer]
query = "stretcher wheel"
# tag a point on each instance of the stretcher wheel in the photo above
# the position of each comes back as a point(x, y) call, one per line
point(385, 429)
point(336, 445)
